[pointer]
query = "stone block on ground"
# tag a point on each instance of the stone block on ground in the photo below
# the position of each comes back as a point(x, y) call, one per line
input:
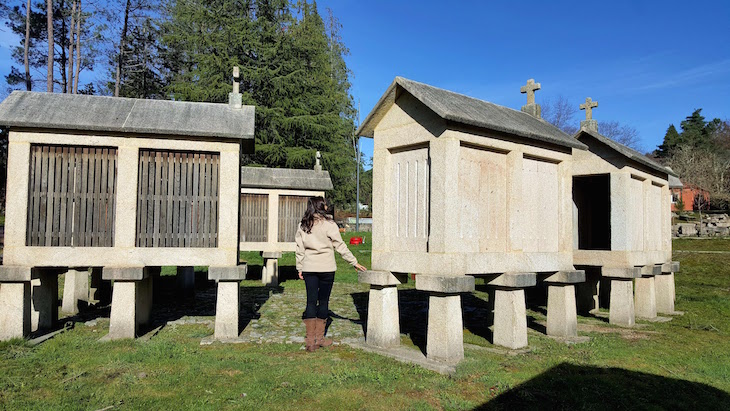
point(445, 330)
point(562, 317)
point(75, 290)
point(383, 327)
point(621, 309)
point(14, 310)
point(510, 318)
point(130, 308)
point(665, 293)
point(227, 310)
point(645, 298)
point(270, 272)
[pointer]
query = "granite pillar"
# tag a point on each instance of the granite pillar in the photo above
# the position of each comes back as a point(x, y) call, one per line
point(75, 290)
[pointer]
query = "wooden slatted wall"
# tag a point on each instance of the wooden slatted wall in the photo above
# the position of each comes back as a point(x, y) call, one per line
point(71, 196)
point(177, 199)
point(291, 211)
point(254, 218)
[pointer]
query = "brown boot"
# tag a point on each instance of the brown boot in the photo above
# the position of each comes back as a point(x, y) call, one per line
point(310, 339)
point(320, 340)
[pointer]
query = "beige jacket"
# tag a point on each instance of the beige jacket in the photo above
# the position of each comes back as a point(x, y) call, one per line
point(315, 250)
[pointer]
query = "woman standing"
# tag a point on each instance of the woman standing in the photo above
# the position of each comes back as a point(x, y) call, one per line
point(317, 238)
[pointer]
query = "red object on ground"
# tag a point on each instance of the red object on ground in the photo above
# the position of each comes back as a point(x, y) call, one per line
point(356, 240)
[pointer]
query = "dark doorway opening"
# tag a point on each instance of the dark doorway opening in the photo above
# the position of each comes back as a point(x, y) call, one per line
point(592, 199)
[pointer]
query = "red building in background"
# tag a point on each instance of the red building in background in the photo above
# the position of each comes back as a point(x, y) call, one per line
point(687, 193)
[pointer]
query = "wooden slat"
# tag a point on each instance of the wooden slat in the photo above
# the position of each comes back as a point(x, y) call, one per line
point(214, 202)
point(157, 200)
point(170, 198)
point(188, 203)
point(197, 195)
point(205, 194)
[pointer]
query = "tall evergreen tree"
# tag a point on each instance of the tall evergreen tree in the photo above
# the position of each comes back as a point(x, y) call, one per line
point(302, 102)
point(696, 133)
point(671, 140)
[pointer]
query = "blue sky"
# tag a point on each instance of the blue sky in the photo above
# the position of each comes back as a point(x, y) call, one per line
point(647, 63)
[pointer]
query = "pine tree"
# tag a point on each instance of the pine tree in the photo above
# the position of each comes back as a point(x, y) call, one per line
point(671, 140)
point(302, 99)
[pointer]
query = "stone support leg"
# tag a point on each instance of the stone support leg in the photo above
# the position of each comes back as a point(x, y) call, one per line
point(645, 298)
point(383, 323)
point(510, 318)
point(665, 293)
point(445, 335)
point(75, 290)
point(227, 310)
point(270, 272)
point(123, 319)
point(562, 318)
point(44, 300)
point(131, 300)
point(185, 281)
point(621, 311)
point(445, 329)
point(14, 310)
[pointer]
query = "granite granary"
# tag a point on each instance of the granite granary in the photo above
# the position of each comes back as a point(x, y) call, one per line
point(464, 188)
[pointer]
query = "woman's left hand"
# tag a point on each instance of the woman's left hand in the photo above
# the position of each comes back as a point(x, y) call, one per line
point(360, 267)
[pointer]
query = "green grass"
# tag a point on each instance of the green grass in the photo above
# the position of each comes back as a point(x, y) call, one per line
point(682, 364)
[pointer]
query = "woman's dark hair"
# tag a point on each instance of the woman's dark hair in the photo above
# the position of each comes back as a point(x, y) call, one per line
point(316, 208)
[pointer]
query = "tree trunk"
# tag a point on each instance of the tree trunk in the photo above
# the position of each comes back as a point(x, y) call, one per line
point(78, 49)
point(70, 75)
point(28, 84)
point(122, 44)
point(49, 12)
point(64, 59)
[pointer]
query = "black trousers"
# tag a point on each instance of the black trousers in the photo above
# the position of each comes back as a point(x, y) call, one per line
point(319, 288)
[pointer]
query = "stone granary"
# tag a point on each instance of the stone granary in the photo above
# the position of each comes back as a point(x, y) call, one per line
point(273, 201)
point(622, 229)
point(462, 188)
point(126, 186)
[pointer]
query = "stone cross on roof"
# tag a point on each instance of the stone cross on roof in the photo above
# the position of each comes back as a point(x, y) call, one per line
point(235, 79)
point(531, 108)
point(317, 164)
point(235, 99)
point(588, 107)
point(589, 123)
point(530, 89)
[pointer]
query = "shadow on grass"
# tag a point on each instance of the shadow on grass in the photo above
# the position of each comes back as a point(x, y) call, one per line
point(170, 304)
point(569, 386)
